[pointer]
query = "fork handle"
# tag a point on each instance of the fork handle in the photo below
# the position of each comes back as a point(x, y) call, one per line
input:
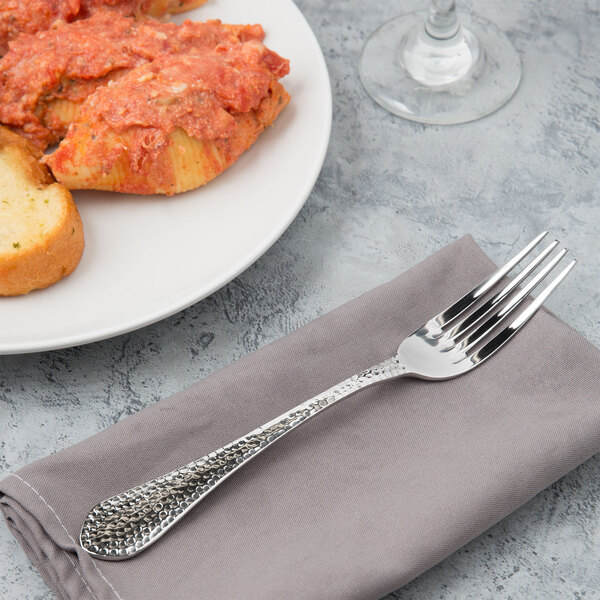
point(126, 524)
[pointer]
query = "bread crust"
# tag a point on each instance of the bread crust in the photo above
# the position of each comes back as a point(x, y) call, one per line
point(42, 257)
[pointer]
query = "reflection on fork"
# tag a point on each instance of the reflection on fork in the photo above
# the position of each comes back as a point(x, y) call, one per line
point(451, 343)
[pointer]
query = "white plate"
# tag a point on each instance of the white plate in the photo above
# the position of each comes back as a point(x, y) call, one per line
point(148, 257)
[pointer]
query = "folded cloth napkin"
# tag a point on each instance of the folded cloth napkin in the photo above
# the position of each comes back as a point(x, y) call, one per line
point(358, 501)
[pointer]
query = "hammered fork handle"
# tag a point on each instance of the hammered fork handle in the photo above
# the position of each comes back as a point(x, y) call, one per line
point(126, 524)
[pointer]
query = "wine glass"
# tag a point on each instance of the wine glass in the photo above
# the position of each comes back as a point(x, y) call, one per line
point(434, 68)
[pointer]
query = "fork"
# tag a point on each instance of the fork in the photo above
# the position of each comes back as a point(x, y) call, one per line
point(442, 348)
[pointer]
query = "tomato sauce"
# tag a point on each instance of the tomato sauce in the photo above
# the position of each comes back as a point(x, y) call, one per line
point(199, 93)
point(30, 16)
point(72, 60)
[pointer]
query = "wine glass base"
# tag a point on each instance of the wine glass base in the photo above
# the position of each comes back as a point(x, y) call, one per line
point(386, 80)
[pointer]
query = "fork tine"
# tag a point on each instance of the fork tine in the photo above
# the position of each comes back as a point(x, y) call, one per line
point(497, 318)
point(485, 308)
point(501, 338)
point(453, 311)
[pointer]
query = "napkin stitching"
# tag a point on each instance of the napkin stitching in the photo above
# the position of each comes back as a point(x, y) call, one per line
point(80, 575)
point(70, 537)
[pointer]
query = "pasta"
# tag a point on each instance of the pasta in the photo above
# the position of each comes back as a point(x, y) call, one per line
point(182, 163)
point(173, 124)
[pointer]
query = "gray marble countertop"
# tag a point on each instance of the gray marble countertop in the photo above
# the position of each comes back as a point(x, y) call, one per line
point(390, 193)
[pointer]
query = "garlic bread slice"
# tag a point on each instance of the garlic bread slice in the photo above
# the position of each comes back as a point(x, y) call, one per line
point(41, 234)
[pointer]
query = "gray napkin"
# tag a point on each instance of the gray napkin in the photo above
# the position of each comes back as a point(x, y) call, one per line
point(360, 500)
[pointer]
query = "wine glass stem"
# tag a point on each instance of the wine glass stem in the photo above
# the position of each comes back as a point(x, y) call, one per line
point(442, 22)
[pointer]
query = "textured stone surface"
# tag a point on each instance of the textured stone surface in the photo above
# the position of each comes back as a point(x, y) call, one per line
point(390, 193)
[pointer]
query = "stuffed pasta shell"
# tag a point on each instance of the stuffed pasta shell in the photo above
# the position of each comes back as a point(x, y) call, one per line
point(173, 124)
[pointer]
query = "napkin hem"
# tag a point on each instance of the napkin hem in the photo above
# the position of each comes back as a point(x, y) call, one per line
point(39, 558)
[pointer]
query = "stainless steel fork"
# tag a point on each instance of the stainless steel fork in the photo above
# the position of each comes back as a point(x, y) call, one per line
point(442, 348)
